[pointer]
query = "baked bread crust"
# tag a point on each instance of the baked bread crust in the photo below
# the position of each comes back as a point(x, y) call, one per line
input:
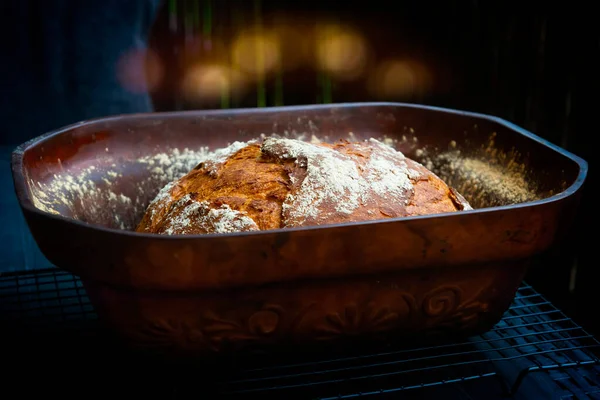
point(285, 183)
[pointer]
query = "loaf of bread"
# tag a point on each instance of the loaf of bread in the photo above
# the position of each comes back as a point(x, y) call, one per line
point(284, 183)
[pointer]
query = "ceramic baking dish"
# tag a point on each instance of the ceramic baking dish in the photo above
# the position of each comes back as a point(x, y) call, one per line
point(83, 188)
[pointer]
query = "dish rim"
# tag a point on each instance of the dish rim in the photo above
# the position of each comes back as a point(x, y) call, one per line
point(25, 201)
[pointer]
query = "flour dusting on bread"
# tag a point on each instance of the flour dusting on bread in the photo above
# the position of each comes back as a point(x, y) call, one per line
point(190, 216)
point(329, 176)
point(214, 159)
point(337, 181)
point(284, 183)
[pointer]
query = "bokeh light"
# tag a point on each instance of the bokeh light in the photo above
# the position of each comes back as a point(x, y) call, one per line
point(210, 82)
point(140, 70)
point(256, 52)
point(400, 79)
point(341, 51)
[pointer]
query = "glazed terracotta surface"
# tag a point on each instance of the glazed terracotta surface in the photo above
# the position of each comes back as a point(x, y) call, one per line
point(83, 189)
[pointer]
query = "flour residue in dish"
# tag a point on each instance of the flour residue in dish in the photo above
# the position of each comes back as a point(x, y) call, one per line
point(486, 181)
point(486, 177)
point(92, 193)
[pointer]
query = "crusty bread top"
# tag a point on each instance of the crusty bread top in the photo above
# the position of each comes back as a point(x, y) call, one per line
point(285, 183)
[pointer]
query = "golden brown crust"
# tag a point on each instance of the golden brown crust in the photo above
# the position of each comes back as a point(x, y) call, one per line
point(283, 183)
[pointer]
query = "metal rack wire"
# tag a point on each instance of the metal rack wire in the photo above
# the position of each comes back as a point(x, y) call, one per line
point(534, 340)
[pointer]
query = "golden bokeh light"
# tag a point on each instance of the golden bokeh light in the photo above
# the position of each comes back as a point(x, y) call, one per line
point(400, 79)
point(256, 52)
point(210, 82)
point(342, 52)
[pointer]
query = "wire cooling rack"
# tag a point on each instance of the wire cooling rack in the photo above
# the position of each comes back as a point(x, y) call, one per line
point(534, 341)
